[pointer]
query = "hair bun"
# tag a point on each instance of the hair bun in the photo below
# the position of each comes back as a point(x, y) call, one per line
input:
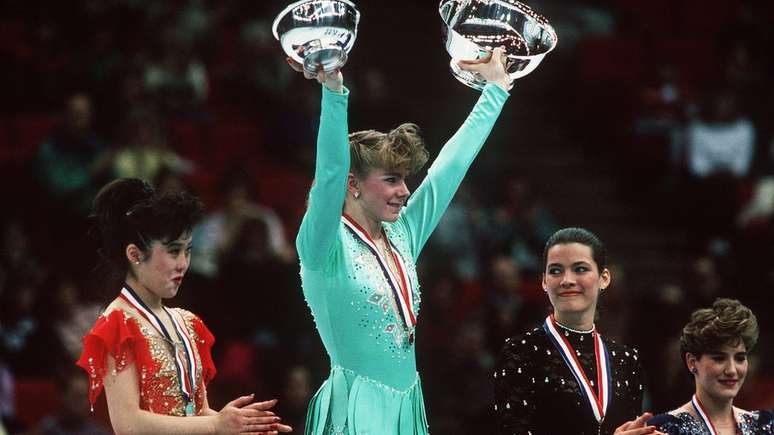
point(111, 206)
point(115, 200)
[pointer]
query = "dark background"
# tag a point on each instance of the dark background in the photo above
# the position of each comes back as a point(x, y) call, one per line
point(195, 94)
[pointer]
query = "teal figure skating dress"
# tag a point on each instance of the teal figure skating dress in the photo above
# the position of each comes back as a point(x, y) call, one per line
point(373, 387)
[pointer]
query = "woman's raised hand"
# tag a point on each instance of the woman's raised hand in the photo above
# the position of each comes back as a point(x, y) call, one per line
point(333, 80)
point(638, 427)
point(241, 416)
point(492, 67)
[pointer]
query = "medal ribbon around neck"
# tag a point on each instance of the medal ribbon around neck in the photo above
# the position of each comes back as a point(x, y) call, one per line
point(400, 284)
point(186, 382)
point(704, 417)
point(600, 400)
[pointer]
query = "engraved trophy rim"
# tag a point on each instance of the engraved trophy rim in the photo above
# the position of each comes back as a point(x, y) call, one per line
point(460, 47)
point(329, 56)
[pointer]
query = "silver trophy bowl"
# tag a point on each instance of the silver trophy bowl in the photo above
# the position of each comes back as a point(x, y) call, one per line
point(318, 33)
point(473, 28)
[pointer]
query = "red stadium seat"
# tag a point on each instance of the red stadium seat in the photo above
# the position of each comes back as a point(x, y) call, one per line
point(28, 132)
point(610, 58)
point(35, 398)
point(693, 58)
point(6, 147)
point(38, 398)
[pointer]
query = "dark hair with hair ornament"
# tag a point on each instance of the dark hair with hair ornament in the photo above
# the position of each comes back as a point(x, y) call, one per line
point(128, 211)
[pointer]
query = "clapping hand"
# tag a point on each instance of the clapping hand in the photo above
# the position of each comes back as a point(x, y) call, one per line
point(638, 427)
point(240, 416)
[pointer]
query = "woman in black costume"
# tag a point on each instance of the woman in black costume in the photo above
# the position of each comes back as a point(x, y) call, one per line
point(564, 377)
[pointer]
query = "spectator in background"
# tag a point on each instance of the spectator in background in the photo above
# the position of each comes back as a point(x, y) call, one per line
point(457, 242)
point(168, 181)
point(71, 315)
point(296, 392)
point(504, 299)
point(659, 347)
point(144, 153)
point(72, 418)
point(470, 363)
point(705, 282)
point(25, 338)
point(657, 126)
point(263, 75)
point(217, 234)
point(16, 256)
point(176, 80)
point(7, 408)
point(520, 223)
point(721, 141)
point(719, 146)
point(73, 162)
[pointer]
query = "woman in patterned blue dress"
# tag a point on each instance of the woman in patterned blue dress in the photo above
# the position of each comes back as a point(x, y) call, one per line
point(714, 345)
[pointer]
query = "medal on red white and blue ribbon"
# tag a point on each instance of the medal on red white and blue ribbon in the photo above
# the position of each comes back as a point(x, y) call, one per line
point(704, 417)
point(401, 284)
point(599, 399)
point(185, 369)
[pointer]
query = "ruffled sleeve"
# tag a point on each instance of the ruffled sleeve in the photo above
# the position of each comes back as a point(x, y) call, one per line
point(204, 342)
point(113, 335)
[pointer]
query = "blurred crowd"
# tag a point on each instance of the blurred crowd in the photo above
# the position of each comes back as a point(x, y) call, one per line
point(195, 94)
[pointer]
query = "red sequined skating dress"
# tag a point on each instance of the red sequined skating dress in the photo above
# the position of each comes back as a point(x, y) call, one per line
point(122, 334)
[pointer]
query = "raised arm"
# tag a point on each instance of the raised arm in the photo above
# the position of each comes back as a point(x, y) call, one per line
point(319, 227)
point(432, 197)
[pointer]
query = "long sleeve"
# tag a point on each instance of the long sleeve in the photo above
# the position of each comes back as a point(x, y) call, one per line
point(514, 386)
point(633, 375)
point(319, 227)
point(436, 191)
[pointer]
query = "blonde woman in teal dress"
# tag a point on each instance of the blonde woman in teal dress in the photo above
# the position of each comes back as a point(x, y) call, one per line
point(358, 244)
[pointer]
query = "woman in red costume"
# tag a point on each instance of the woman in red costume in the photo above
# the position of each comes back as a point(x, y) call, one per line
point(154, 362)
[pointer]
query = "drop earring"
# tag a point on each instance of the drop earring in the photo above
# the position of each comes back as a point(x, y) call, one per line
point(356, 194)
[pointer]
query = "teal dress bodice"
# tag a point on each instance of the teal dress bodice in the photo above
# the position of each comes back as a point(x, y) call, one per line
point(373, 387)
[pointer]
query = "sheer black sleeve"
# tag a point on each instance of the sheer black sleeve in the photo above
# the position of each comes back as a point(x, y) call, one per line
point(628, 375)
point(514, 385)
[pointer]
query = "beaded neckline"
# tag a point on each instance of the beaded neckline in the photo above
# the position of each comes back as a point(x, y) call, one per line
point(593, 327)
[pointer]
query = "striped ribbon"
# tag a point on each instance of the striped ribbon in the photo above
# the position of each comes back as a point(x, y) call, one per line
point(600, 399)
point(401, 284)
point(186, 377)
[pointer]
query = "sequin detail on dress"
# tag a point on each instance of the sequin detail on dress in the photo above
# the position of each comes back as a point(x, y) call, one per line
point(119, 335)
point(536, 392)
point(683, 423)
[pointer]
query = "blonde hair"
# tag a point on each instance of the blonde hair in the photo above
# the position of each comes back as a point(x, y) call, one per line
point(402, 149)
